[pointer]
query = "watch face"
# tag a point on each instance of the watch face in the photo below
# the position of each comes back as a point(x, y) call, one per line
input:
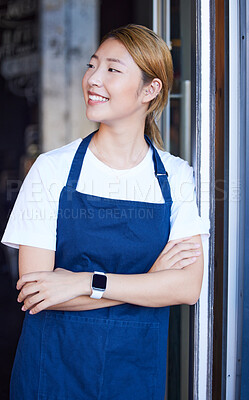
point(99, 281)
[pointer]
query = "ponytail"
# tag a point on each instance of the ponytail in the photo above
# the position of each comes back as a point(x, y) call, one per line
point(152, 131)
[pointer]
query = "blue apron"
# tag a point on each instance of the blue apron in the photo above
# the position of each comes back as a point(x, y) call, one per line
point(111, 353)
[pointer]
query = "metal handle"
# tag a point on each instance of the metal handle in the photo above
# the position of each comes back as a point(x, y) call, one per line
point(185, 138)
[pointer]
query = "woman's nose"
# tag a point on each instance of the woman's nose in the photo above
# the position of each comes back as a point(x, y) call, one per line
point(95, 78)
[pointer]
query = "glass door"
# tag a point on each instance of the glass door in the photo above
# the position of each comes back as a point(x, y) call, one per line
point(172, 20)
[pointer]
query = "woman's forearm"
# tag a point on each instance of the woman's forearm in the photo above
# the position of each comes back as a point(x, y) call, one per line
point(158, 289)
point(84, 303)
point(155, 289)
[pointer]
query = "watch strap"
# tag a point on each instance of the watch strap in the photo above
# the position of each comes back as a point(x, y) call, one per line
point(97, 294)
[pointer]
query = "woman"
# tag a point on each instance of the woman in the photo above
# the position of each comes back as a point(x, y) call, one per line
point(97, 280)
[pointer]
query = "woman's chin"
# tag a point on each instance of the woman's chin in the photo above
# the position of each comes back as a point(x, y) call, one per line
point(92, 118)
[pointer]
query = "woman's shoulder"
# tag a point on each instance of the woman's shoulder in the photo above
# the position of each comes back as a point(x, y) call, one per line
point(180, 175)
point(62, 153)
point(57, 162)
point(175, 166)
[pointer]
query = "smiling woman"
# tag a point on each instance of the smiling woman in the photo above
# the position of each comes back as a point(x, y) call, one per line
point(97, 280)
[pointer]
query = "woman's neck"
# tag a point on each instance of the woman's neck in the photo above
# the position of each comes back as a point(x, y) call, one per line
point(119, 148)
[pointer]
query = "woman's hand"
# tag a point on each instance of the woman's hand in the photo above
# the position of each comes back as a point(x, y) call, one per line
point(40, 290)
point(177, 254)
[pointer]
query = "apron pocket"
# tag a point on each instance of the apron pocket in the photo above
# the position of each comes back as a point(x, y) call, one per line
point(71, 357)
point(131, 361)
point(98, 359)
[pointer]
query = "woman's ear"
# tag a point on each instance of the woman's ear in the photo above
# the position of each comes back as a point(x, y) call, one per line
point(152, 90)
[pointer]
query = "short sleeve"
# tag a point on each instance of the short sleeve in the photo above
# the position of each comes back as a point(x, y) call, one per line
point(33, 219)
point(185, 220)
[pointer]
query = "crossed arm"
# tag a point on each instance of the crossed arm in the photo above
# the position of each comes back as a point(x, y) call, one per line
point(175, 278)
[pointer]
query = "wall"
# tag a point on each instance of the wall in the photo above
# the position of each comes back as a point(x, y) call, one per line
point(69, 36)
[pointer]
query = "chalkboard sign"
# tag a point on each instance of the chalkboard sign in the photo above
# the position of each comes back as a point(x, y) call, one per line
point(19, 57)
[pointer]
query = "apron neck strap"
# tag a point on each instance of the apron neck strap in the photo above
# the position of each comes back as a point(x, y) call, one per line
point(158, 165)
point(160, 172)
point(77, 163)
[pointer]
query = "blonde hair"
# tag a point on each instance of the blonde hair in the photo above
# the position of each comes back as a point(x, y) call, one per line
point(152, 55)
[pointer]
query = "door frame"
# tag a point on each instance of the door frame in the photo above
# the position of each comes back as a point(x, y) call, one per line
point(203, 133)
point(243, 350)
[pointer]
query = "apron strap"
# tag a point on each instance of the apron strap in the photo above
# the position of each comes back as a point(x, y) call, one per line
point(77, 163)
point(160, 172)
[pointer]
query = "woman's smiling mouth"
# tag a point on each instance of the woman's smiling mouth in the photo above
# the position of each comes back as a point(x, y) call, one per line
point(94, 98)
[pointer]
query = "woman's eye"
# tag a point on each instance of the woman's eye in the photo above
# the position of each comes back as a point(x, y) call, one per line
point(112, 70)
point(89, 65)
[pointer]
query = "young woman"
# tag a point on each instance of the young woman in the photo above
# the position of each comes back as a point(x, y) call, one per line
point(109, 236)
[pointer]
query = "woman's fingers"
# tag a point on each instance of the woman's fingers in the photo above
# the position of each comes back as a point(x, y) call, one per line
point(180, 248)
point(178, 261)
point(172, 243)
point(37, 306)
point(184, 263)
point(27, 289)
point(176, 252)
point(175, 260)
point(30, 277)
point(43, 305)
point(31, 301)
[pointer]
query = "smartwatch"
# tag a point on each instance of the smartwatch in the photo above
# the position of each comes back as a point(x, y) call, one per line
point(99, 281)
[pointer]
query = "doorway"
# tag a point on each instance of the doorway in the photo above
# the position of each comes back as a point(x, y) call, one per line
point(173, 20)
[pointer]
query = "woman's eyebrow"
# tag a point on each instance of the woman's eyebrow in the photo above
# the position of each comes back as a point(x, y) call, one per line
point(110, 59)
point(116, 60)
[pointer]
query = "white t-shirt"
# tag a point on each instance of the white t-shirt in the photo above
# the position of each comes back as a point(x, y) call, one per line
point(33, 220)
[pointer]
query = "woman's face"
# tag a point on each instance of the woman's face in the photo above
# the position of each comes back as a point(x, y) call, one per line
point(112, 85)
